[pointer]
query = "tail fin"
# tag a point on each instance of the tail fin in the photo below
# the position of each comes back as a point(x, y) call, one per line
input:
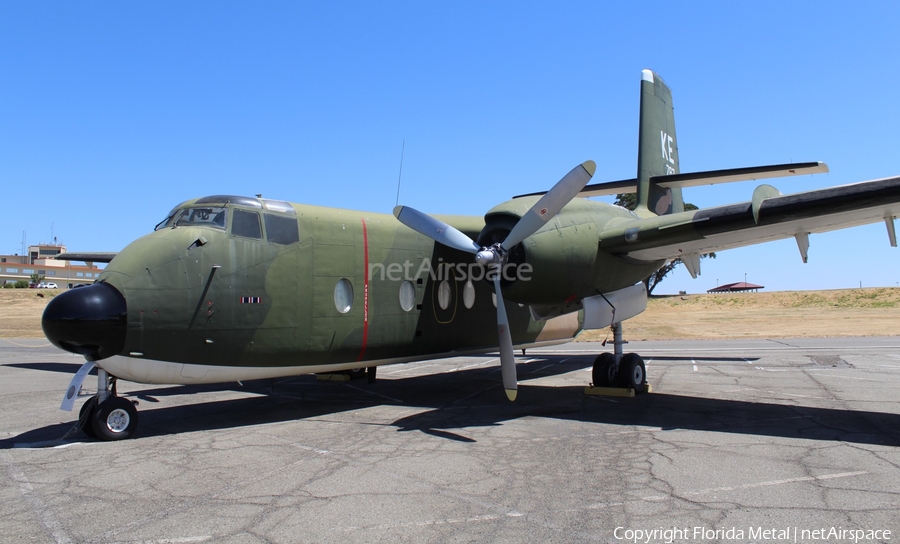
point(657, 148)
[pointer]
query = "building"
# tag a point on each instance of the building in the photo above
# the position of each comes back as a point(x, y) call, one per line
point(735, 287)
point(40, 260)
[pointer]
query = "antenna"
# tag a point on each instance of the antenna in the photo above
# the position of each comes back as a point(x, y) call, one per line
point(400, 175)
point(24, 248)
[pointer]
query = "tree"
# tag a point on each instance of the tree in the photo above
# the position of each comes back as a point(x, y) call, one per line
point(629, 200)
point(36, 279)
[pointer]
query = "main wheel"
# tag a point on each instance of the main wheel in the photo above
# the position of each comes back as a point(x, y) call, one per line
point(114, 419)
point(632, 373)
point(603, 373)
point(86, 416)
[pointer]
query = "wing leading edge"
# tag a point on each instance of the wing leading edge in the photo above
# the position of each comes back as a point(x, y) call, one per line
point(768, 216)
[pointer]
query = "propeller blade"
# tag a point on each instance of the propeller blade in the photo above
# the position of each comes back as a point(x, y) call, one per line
point(435, 229)
point(551, 203)
point(507, 359)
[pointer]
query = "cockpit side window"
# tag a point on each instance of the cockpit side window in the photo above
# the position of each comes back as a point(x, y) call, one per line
point(246, 224)
point(202, 217)
point(282, 230)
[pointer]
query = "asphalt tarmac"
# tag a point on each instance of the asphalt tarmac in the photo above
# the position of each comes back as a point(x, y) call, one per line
point(740, 441)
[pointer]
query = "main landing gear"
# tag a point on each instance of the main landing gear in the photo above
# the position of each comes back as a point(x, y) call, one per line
point(105, 415)
point(618, 369)
point(348, 375)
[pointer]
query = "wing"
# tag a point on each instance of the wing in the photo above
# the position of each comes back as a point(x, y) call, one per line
point(768, 216)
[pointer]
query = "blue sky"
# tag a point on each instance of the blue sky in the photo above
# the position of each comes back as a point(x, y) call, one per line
point(112, 113)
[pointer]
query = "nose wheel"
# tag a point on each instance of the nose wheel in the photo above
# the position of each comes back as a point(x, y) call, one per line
point(105, 415)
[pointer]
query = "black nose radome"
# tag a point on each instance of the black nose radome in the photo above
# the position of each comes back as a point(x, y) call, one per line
point(89, 321)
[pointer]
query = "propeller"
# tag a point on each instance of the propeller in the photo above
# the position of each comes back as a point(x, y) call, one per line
point(496, 255)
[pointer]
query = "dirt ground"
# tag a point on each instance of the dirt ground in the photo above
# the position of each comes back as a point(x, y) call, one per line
point(21, 309)
point(783, 314)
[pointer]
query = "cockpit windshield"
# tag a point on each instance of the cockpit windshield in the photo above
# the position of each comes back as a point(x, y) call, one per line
point(197, 216)
point(205, 216)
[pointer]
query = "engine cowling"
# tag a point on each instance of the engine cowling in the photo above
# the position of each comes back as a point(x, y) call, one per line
point(554, 266)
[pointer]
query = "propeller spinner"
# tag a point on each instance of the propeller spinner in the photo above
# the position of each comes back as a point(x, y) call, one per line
point(496, 255)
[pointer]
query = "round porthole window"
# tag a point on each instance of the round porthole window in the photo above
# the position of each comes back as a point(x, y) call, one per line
point(444, 295)
point(469, 294)
point(343, 295)
point(407, 295)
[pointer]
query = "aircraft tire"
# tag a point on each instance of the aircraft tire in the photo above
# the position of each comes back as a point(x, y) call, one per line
point(602, 373)
point(86, 416)
point(114, 419)
point(632, 373)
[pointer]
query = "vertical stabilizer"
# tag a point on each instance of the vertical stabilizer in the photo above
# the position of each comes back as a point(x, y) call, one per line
point(657, 148)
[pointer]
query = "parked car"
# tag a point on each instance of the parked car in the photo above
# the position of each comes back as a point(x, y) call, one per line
point(44, 285)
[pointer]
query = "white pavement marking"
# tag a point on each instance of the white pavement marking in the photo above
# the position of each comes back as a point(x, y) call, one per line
point(392, 399)
point(778, 482)
point(433, 522)
point(549, 365)
point(755, 485)
point(483, 363)
point(176, 540)
point(37, 506)
point(413, 367)
point(46, 444)
point(841, 376)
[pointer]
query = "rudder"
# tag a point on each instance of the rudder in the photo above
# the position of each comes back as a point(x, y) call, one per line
point(657, 148)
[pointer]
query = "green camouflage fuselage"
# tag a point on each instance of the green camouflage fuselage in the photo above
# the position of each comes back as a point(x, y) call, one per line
point(350, 288)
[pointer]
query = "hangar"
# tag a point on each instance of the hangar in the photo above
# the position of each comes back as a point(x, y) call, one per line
point(736, 287)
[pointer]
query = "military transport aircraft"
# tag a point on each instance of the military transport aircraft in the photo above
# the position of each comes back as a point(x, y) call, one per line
point(230, 288)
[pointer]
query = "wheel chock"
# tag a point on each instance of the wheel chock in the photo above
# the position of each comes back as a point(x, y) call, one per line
point(613, 391)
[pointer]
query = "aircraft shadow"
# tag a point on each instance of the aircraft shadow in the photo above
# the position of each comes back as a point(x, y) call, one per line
point(454, 401)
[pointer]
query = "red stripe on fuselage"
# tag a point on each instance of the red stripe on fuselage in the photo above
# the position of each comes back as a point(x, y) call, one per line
point(365, 338)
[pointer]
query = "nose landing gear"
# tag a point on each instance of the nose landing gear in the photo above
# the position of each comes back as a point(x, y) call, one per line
point(105, 415)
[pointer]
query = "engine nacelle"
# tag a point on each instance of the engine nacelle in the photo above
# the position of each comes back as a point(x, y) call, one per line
point(554, 266)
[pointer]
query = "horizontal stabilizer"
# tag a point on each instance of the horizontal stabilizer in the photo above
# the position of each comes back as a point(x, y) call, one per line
point(86, 257)
point(730, 175)
point(710, 177)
